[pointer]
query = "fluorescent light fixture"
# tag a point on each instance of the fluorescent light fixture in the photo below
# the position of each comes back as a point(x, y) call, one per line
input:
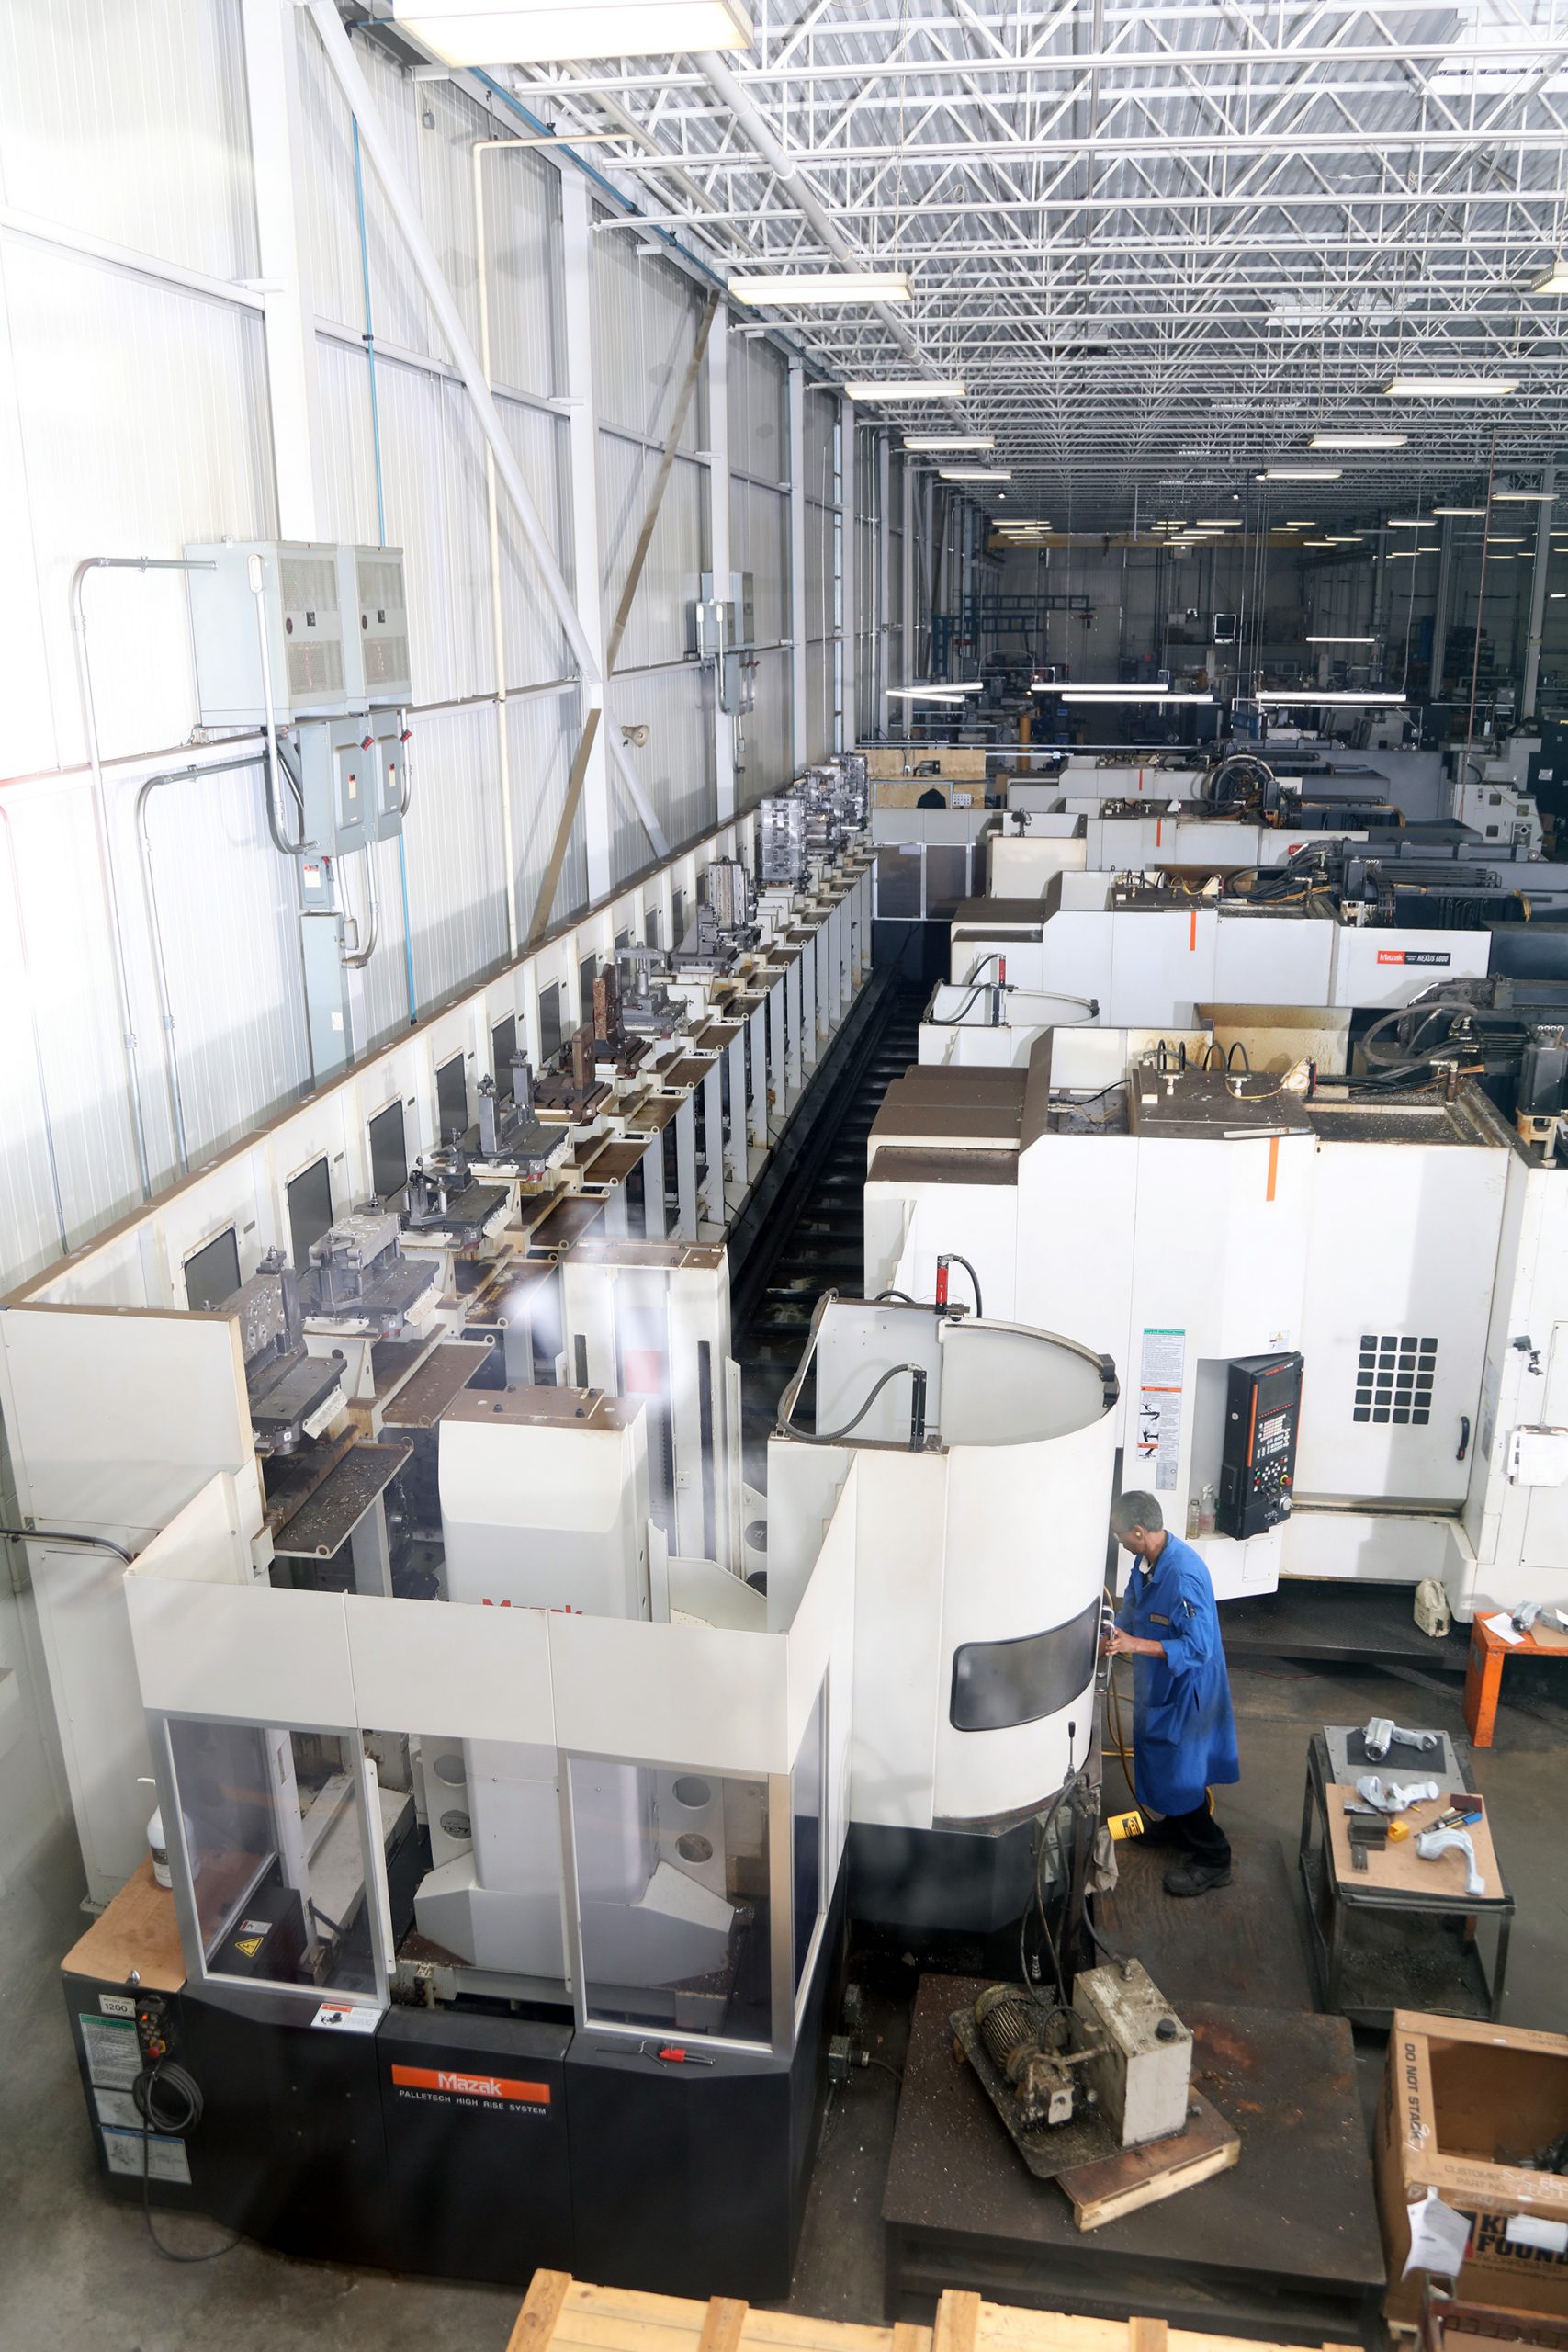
point(1301, 523)
point(1317, 543)
point(1406, 522)
point(974, 473)
point(1456, 388)
point(1522, 497)
point(922, 388)
point(544, 33)
point(1382, 701)
point(949, 441)
point(1558, 595)
point(1301, 473)
point(1219, 522)
point(1358, 441)
point(796, 288)
point(1459, 510)
point(1556, 279)
point(1162, 695)
point(1340, 640)
point(926, 694)
point(1400, 555)
point(1346, 538)
point(1505, 538)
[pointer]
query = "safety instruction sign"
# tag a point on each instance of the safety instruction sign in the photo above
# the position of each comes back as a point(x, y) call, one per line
point(1157, 1444)
point(114, 2058)
point(135, 2155)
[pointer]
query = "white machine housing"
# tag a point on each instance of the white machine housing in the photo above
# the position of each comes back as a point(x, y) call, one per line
point(1231, 1229)
point(966, 1607)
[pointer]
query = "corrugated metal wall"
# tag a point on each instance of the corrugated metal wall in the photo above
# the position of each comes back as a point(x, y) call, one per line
point(759, 543)
point(135, 418)
point(821, 565)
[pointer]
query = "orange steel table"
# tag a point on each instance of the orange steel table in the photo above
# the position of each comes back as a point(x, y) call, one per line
point(1483, 1676)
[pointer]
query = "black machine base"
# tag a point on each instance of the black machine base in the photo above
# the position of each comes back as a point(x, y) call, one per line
point(467, 2144)
point(925, 1880)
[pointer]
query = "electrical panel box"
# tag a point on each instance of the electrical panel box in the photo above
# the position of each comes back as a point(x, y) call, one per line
point(334, 622)
point(383, 622)
point(352, 773)
point(1257, 1462)
point(721, 629)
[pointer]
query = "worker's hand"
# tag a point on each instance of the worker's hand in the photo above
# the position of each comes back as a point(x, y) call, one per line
point(1118, 1644)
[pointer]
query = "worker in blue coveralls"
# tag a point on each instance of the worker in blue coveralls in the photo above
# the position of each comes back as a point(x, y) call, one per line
point(1184, 1732)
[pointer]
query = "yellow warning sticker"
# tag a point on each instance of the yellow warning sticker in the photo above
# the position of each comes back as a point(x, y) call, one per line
point(249, 1945)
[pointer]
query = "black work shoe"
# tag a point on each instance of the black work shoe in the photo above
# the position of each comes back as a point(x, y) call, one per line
point(1158, 1833)
point(1193, 1877)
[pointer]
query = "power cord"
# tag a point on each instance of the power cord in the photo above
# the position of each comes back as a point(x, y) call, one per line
point(168, 2099)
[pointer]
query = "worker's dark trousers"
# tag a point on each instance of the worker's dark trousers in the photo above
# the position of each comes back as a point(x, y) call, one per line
point(1202, 1836)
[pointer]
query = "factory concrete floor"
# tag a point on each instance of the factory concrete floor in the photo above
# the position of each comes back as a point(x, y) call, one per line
point(77, 2273)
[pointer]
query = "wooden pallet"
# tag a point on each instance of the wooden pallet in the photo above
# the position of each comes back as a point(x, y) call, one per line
point(563, 2314)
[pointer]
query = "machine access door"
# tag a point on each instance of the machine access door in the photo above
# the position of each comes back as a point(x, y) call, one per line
point(1401, 1253)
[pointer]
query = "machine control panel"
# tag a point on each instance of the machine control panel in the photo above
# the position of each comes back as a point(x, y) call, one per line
point(1258, 1463)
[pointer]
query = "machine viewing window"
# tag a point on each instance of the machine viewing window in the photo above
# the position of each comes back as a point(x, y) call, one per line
point(651, 926)
point(672, 1899)
point(502, 1046)
point(309, 1210)
point(452, 1099)
point(587, 973)
point(677, 917)
point(212, 1272)
point(997, 1685)
point(1394, 1376)
point(388, 1153)
point(273, 1832)
point(550, 1022)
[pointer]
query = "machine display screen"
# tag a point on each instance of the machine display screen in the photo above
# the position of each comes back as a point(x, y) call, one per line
point(549, 1023)
point(309, 1210)
point(389, 1152)
point(212, 1272)
point(502, 1046)
point(998, 1684)
point(451, 1098)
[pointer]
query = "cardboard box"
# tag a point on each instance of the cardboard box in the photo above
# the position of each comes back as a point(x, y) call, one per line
point(1461, 2102)
point(961, 761)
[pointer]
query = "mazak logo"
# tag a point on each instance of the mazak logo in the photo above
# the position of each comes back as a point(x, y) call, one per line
point(439, 2082)
point(1414, 955)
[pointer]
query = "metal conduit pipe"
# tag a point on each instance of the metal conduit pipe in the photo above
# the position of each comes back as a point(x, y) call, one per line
point(101, 823)
point(257, 572)
point(155, 933)
point(29, 996)
point(357, 959)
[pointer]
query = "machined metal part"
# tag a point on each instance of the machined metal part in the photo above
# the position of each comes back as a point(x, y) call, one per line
point(1382, 1733)
point(292, 1394)
point(359, 1277)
